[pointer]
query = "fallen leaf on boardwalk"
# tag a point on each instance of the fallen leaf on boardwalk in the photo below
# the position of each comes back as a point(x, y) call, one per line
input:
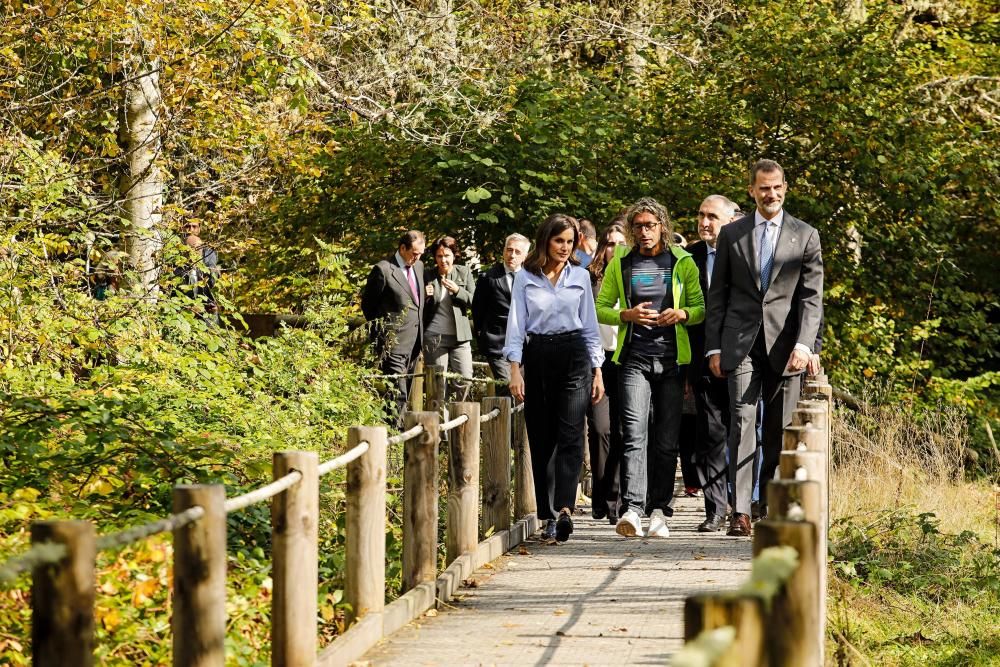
point(432, 613)
point(614, 567)
point(511, 625)
point(620, 629)
point(523, 551)
point(560, 633)
point(559, 612)
point(488, 566)
point(699, 556)
point(629, 553)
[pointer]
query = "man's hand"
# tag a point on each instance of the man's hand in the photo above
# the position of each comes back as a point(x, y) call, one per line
point(715, 365)
point(814, 366)
point(671, 316)
point(597, 389)
point(797, 361)
point(641, 314)
point(429, 289)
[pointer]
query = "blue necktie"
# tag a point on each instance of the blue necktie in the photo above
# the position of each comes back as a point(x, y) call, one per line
point(766, 259)
point(710, 266)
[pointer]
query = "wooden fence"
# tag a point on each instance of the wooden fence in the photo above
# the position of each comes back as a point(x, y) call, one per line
point(778, 618)
point(485, 439)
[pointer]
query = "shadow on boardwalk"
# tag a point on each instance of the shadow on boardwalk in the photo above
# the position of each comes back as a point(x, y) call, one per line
point(599, 599)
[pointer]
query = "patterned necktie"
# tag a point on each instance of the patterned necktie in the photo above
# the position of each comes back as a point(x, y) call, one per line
point(766, 258)
point(412, 279)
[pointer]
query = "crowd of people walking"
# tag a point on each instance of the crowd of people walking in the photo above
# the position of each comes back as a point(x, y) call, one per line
point(606, 337)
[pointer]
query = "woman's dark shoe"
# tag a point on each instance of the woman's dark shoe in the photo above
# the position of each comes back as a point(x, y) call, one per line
point(564, 526)
point(599, 512)
point(712, 524)
point(549, 532)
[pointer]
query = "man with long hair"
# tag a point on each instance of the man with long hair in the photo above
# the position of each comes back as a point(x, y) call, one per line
point(650, 291)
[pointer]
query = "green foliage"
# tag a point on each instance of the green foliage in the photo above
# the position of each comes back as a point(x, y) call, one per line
point(906, 593)
point(906, 552)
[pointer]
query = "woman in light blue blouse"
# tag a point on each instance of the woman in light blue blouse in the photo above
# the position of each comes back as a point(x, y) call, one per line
point(555, 355)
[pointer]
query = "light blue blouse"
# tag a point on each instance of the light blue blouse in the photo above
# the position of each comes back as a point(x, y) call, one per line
point(536, 307)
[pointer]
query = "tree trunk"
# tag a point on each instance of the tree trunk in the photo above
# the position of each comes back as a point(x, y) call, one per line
point(140, 187)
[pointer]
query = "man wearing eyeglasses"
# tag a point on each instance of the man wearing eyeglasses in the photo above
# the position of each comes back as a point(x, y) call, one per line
point(650, 291)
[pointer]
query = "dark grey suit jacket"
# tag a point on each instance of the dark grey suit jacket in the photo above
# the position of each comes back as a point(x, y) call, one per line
point(387, 302)
point(461, 276)
point(490, 308)
point(790, 311)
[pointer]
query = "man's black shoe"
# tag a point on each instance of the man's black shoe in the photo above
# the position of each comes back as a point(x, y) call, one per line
point(564, 526)
point(712, 524)
point(599, 512)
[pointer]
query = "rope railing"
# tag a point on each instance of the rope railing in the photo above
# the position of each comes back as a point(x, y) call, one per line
point(68, 548)
point(130, 535)
point(492, 414)
point(406, 435)
point(39, 554)
point(454, 423)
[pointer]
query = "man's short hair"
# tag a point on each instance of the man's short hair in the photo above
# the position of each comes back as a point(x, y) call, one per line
point(726, 202)
point(767, 166)
point(519, 238)
point(409, 238)
point(587, 228)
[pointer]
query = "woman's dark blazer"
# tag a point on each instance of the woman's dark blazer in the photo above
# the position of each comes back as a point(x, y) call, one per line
point(461, 276)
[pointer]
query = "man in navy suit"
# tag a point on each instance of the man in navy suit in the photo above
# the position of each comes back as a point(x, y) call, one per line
point(393, 302)
point(711, 394)
point(764, 312)
point(491, 305)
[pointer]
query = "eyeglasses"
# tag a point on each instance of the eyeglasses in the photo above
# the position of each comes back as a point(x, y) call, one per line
point(647, 227)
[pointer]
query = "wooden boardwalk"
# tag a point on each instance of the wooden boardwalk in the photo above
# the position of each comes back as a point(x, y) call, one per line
point(599, 599)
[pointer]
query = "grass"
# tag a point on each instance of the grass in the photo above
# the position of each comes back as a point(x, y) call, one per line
point(915, 576)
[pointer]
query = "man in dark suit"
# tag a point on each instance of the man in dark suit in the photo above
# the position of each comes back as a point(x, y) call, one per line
point(711, 394)
point(393, 301)
point(491, 305)
point(764, 311)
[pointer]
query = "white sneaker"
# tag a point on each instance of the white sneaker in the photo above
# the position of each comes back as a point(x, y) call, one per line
point(657, 525)
point(629, 525)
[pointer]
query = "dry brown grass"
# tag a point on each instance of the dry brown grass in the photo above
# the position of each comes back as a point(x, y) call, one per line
point(892, 456)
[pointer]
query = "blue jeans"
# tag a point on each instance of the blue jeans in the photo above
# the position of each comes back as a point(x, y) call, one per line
point(650, 465)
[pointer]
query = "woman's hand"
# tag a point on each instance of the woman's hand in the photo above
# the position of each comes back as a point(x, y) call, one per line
point(597, 389)
point(450, 285)
point(429, 289)
point(516, 382)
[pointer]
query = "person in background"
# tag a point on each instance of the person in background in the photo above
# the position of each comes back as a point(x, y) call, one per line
point(651, 292)
point(687, 440)
point(711, 394)
point(587, 245)
point(604, 436)
point(491, 306)
point(393, 302)
point(198, 276)
point(447, 332)
point(555, 355)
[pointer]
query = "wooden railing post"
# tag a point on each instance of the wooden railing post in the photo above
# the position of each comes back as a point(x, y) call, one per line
point(793, 621)
point(416, 399)
point(364, 586)
point(810, 438)
point(295, 553)
point(745, 613)
point(420, 500)
point(524, 483)
point(434, 388)
point(62, 596)
point(199, 620)
point(496, 467)
point(462, 533)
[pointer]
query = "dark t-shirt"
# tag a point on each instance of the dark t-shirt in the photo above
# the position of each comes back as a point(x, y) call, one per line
point(651, 282)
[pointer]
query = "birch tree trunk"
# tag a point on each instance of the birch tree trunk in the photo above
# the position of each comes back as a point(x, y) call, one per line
point(140, 188)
